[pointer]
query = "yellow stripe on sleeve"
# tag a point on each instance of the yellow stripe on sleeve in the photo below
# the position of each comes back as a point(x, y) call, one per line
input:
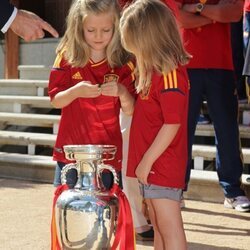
point(57, 61)
point(132, 68)
point(175, 79)
point(170, 79)
point(165, 81)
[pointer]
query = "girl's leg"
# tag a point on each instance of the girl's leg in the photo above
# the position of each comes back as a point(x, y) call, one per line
point(108, 179)
point(71, 175)
point(57, 175)
point(169, 224)
point(158, 241)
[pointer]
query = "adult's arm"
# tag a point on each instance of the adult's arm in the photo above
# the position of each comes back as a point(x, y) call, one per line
point(187, 19)
point(30, 27)
point(226, 11)
point(25, 24)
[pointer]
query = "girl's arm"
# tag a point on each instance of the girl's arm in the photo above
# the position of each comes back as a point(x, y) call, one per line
point(82, 89)
point(163, 139)
point(127, 100)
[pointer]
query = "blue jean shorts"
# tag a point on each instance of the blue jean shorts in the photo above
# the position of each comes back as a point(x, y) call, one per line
point(71, 177)
point(152, 191)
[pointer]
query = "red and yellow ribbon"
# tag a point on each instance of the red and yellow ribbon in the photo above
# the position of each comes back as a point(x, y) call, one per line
point(54, 239)
point(125, 230)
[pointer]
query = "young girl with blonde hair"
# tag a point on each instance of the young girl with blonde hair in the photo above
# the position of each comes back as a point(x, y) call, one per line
point(92, 78)
point(158, 137)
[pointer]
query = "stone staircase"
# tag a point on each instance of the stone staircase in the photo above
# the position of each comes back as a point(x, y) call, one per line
point(28, 128)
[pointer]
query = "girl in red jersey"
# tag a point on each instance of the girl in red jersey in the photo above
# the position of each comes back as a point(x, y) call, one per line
point(90, 81)
point(158, 137)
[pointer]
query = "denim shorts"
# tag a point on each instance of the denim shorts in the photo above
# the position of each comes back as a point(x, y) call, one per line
point(152, 191)
point(71, 177)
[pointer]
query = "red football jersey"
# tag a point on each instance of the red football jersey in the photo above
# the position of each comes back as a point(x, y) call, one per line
point(210, 45)
point(247, 5)
point(165, 103)
point(89, 120)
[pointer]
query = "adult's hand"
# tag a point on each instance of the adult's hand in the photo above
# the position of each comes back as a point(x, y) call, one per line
point(30, 27)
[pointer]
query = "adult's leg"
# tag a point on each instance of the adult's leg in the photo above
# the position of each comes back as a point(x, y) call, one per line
point(223, 109)
point(238, 58)
point(246, 34)
point(195, 102)
point(130, 185)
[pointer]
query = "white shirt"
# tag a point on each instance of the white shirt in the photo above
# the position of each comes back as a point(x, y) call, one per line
point(9, 22)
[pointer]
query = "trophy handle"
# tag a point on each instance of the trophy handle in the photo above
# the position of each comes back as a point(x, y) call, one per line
point(102, 166)
point(66, 168)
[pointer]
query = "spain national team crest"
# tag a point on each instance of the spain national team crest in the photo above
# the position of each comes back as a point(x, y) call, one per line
point(110, 78)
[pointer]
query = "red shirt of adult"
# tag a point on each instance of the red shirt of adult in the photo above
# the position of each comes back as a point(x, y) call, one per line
point(210, 45)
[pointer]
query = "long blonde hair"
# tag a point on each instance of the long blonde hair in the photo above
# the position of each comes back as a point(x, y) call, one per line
point(149, 30)
point(73, 45)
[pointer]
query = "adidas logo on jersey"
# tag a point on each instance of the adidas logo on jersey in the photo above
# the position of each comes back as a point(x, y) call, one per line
point(77, 76)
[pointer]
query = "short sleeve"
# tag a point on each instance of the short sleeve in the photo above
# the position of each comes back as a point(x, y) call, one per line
point(127, 78)
point(59, 79)
point(173, 96)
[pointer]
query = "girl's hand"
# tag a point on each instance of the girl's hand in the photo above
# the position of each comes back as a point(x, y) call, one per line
point(87, 90)
point(142, 172)
point(112, 89)
point(119, 90)
point(82, 89)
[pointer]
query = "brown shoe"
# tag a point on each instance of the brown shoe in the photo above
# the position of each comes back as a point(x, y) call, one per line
point(145, 236)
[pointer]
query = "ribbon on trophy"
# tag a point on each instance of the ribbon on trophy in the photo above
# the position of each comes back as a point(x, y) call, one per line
point(54, 239)
point(125, 230)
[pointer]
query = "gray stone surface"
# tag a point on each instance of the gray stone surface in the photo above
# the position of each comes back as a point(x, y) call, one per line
point(26, 212)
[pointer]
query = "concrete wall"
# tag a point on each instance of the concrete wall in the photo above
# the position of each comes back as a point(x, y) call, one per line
point(40, 52)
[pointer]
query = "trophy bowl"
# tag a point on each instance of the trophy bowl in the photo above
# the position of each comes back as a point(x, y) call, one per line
point(90, 152)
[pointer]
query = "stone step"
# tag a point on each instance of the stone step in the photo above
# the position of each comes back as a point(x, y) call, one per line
point(204, 185)
point(27, 167)
point(18, 102)
point(26, 138)
point(242, 106)
point(29, 139)
point(200, 153)
point(43, 120)
point(29, 119)
point(34, 71)
point(23, 87)
point(208, 130)
point(243, 114)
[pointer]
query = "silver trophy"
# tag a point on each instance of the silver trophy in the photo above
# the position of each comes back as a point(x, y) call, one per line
point(86, 216)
